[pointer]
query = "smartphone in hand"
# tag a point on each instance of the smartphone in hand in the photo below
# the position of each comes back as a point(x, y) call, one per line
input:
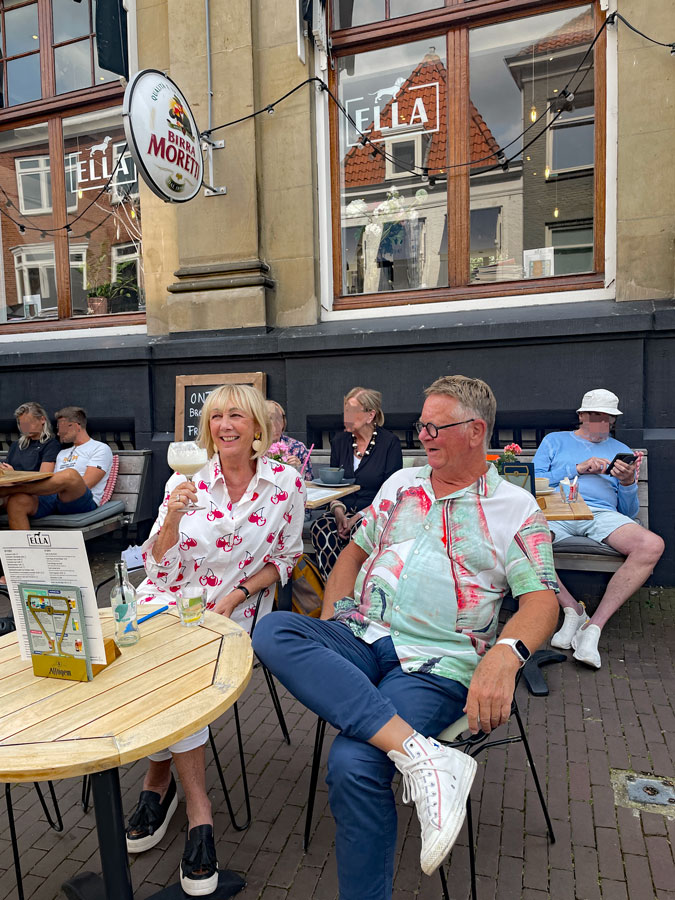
point(628, 458)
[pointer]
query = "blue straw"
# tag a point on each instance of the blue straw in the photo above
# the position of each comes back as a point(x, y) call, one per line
point(155, 612)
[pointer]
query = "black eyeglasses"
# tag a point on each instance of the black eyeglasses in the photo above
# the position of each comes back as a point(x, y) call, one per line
point(432, 430)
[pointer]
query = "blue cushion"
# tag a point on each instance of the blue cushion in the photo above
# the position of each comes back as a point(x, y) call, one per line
point(583, 545)
point(107, 510)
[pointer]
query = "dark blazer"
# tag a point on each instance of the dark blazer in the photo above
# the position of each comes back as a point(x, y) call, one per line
point(383, 460)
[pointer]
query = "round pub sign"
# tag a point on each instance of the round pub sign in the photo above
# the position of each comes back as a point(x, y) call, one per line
point(163, 137)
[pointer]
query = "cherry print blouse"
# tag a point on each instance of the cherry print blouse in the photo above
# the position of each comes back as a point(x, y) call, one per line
point(221, 545)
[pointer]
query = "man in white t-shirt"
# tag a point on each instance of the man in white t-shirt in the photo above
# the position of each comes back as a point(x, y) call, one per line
point(78, 481)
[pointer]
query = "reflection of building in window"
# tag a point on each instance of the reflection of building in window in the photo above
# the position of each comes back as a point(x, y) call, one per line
point(125, 180)
point(392, 232)
point(571, 136)
point(405, 154)
point(34, 184)
point(35, 272)
point(573, 243)
point(126, 262)
point(558, 170)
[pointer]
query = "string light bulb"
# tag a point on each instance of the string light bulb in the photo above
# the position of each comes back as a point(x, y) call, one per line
point(547, 172)
point(80, 194)
point(533, 114)
point(133, 213)
point(556, 213)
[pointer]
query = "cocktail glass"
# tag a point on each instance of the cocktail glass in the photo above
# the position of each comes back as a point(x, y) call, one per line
point(187, 458)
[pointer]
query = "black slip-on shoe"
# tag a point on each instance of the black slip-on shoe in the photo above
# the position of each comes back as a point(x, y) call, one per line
point(149, 821)
point(199, 866)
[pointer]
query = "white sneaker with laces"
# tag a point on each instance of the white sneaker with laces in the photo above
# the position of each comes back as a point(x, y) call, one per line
point(585, 643)
point(572, 622)
point(438, 779)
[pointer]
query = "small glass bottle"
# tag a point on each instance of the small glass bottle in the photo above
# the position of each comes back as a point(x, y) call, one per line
point(123, 603)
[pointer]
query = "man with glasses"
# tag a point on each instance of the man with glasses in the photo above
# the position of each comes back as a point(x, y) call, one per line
point(79, 478)
point(406, 643)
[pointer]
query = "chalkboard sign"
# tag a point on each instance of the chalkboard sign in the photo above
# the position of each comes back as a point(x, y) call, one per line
point(191, 394)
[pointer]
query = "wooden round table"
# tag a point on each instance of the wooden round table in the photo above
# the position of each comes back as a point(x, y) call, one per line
point(174, 681)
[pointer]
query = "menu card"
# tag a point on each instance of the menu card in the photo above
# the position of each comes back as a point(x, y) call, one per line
point(50, 560)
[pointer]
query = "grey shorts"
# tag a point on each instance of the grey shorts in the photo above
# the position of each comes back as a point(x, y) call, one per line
point(603, 523)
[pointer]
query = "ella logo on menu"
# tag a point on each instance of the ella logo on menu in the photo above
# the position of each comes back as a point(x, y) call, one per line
point(37, 539)
point(163, 136)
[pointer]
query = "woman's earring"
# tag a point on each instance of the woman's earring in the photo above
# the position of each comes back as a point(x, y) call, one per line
point(257, 443)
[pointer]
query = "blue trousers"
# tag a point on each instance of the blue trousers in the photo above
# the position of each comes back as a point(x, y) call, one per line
point(358, 688)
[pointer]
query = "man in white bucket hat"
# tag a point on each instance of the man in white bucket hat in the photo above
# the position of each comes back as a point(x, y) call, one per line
point(613, 500)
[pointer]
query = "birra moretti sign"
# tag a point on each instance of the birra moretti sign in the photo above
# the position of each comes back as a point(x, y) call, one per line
point(163, 137)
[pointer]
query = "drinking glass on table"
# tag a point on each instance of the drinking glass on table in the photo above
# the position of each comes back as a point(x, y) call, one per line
point(191, 604)
point(187, 458)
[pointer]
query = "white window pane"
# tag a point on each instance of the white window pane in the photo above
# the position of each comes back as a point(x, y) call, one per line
point(23, 80)
point(31, 191)
point(73, 66)
point(21, 30)
point(71, 20)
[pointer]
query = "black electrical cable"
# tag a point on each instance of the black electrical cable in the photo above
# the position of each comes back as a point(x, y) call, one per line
point(617, 15)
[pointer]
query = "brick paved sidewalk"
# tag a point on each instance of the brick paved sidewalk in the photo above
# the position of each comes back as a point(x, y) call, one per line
point(619, 718)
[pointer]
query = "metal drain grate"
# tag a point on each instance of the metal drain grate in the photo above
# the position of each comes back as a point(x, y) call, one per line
point(646, 792)
point(650, 790)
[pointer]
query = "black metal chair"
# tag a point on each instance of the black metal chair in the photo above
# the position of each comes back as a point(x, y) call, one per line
point(473, 744)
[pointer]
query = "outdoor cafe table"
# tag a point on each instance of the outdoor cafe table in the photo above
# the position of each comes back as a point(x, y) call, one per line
point(174, 681)
point(558, 510)
point(319, 495)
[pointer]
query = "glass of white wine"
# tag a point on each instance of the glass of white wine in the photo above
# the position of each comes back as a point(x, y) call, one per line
point(187, 458)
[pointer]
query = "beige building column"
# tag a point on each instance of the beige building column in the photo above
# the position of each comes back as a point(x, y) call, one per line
point(245, 259)
point(646, 175)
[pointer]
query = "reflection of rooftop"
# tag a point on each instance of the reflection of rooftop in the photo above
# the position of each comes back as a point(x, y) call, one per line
point(364, 167)
point(580, 30)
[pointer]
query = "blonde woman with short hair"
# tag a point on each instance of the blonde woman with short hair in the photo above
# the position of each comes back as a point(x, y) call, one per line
point(244, 539)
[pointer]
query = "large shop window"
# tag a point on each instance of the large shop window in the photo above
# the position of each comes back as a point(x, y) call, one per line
point(71, 223)
point(464, 168)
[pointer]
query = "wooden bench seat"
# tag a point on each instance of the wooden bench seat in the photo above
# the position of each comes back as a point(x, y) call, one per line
point(570, 554)
point(127, 507)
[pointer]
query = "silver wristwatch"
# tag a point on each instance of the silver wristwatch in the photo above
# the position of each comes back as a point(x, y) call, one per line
point(518, 648)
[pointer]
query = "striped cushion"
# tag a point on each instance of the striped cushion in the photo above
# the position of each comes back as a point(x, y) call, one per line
point(112, 480)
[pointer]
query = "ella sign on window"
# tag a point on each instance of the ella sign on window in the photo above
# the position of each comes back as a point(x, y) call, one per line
point(163, 136)
point(393, 108)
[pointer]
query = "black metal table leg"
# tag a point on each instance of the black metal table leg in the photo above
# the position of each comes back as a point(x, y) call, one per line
point(116, 881)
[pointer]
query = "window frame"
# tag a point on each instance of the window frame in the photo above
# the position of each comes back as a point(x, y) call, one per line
point(452, 24)
point(52, 110)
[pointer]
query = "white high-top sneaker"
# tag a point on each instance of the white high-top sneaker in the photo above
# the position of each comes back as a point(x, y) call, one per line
point(585, 643)
point(572, 622)
point(438, 779)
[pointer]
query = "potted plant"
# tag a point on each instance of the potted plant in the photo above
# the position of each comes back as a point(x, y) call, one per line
point(97, 298)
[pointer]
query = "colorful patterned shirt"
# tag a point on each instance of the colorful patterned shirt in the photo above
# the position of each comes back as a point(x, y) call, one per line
point(437, 569)
point(297, 448)
point(221, 545)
